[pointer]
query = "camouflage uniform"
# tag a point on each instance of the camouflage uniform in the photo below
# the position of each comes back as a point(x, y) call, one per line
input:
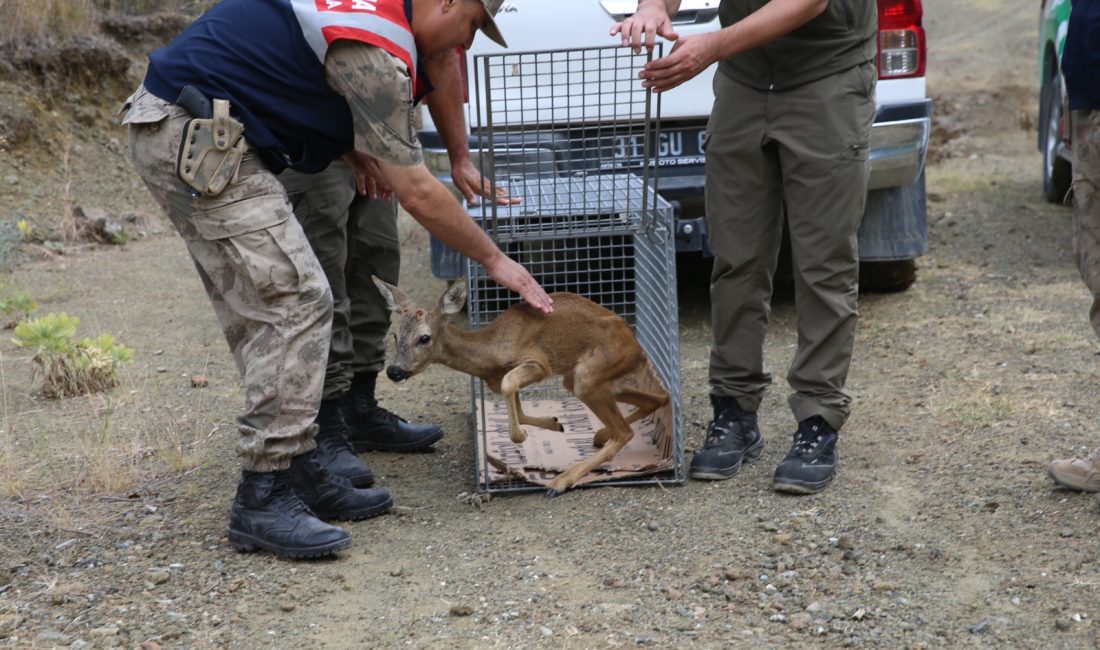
point(268, 289)
point(1086, 204)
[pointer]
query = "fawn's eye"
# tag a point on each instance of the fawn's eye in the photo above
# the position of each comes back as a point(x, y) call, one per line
point(424, 339)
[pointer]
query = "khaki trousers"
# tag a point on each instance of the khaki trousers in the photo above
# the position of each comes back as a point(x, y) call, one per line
point(1086, 204)
point(354, 238)
point(804, 149)
point(266, 286)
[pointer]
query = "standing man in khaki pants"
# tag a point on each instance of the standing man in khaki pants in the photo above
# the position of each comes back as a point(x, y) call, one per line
point(1081, 69)
point(789, 134)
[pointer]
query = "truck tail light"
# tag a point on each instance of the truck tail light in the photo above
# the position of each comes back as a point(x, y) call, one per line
point(460, 52)
point(901, 45)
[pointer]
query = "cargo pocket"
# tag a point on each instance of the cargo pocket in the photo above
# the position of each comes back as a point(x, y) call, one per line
point(259, 243)
point(143, 108)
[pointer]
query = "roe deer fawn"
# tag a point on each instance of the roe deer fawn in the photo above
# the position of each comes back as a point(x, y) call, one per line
point(591, 347)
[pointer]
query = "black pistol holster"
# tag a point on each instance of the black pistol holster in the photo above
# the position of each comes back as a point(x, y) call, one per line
point(212, 145)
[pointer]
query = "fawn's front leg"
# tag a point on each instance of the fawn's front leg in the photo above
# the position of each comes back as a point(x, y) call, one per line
point(526, 373)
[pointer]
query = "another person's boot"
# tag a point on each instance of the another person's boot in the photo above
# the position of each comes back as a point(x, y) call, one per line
point(373, 428)
point(1077, 473)
point(733, 437)
point(811, 463)
point(268, 515)
point(332, 497)
point(334, 452)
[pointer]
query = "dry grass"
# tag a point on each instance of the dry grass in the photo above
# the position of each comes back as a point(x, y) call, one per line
point(26, 21)
point(35, 21)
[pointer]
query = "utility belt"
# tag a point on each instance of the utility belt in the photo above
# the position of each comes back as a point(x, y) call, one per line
point(212, 145)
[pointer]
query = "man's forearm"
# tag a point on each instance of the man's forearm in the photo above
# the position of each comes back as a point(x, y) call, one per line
point(445, 104)
point(668, 6)
point(775, 19)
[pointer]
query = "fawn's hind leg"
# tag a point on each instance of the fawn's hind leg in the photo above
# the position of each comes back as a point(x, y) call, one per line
point(646, 403)
point(604, 407)
point(529, 372)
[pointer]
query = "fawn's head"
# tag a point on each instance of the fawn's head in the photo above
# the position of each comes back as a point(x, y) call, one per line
point(416, 328)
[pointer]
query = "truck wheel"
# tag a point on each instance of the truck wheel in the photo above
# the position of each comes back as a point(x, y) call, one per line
point(889, 276)
point(1057, 172)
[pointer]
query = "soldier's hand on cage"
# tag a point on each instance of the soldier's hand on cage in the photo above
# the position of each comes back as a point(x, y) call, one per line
point(509, 273)
point(472, 184)
point(689, 56)
point(650, 21)
point(369, 180)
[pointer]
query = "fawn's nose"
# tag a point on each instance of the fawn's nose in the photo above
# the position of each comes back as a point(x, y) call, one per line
point(396, 374)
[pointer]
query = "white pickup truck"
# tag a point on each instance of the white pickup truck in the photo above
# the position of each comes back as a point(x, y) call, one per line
point(894, 231)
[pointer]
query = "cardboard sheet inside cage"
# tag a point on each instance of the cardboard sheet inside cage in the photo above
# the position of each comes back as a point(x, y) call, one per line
point(545, 454)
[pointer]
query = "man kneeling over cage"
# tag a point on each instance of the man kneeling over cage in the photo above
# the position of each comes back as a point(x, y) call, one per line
point(253, 87)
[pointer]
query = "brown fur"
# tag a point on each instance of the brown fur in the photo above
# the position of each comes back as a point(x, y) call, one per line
point(592, 348)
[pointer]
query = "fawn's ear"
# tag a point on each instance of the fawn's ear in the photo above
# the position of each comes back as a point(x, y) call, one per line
point(395, 298)
point(454, 298)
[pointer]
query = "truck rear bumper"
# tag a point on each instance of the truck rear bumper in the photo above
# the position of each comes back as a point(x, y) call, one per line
point(899, 144)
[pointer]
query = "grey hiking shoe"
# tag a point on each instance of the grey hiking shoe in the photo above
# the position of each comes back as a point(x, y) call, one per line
point(811, 463)
point(733, 437)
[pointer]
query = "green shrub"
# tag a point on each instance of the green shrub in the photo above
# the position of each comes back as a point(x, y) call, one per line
point(70, 367)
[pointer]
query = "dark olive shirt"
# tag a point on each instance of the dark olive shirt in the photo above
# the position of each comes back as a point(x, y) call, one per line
point(841, 37)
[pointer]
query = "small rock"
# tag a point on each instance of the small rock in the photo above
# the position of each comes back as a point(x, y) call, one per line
point(53, 637)
point(653, 526)
point(461, 610)
point(11, 179)
point(159, 576)
point(979, 628)
point(845, 542)
point(199, 381)
point(110, 630)
point(150, 645)
point(288, 606)
point(545, 631)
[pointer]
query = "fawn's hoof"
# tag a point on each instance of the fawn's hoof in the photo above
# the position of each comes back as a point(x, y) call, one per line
point(552, 493)
point(558, 426)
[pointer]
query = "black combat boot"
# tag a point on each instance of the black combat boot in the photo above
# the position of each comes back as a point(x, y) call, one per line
point(333, 497)
point(334, 452)
point(733, 437)
point(268, 514)
point(811, 463)
point(373, 428)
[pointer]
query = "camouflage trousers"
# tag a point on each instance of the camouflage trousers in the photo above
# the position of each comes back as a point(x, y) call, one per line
point(263, 279)
point(1086, 204)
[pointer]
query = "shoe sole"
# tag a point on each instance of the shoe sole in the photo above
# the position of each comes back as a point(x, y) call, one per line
point(245, 543)
point(420, 445)
point(356, 515)
point(752, 453)
point(802, 488)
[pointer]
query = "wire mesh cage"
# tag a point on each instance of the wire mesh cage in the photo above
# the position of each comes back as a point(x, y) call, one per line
point(569, 132)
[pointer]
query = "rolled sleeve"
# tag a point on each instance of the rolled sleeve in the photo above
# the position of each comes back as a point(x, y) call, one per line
point(378, 89)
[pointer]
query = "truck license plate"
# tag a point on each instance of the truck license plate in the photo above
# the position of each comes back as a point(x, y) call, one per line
point(670, 148)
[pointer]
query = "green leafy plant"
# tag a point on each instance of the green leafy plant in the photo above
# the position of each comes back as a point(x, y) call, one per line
point(69, 367)
point(16, 307)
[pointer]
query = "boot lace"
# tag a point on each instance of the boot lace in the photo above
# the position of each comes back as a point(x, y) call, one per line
point(719, 429)
point(808, 438)
point(287, 499)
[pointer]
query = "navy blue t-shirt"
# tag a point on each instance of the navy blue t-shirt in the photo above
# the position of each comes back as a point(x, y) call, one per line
point(1081, 55)
point(253, 53)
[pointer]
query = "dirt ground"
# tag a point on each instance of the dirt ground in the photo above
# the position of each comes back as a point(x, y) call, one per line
point(940, 531)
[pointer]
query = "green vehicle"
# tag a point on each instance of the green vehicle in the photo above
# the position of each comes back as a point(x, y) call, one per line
point(1054, 128)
